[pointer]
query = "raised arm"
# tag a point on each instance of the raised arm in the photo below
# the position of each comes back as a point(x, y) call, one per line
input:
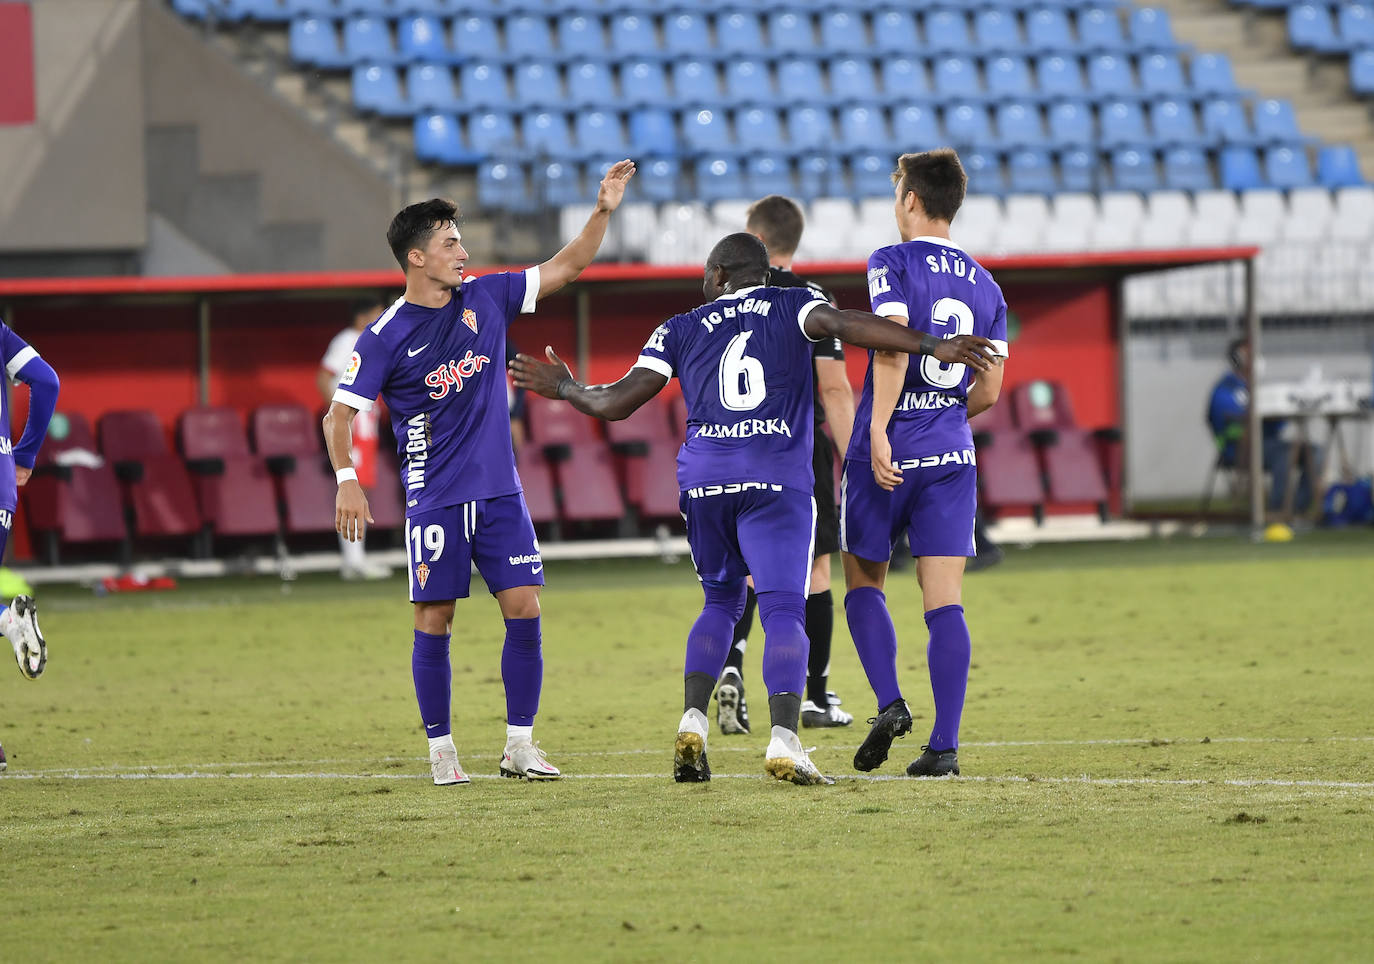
point(612, 402)
point(573, 259)
point(868, 330)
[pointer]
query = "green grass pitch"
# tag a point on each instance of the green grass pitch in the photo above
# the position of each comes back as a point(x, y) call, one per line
point(1167, 756)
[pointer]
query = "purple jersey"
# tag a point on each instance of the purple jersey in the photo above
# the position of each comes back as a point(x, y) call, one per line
point(442, 372)
point(941, 290)
point(744, 362)
point(15, 353)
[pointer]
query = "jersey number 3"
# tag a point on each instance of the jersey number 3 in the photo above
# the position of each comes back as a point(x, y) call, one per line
point(741, 377)
point(947, 311)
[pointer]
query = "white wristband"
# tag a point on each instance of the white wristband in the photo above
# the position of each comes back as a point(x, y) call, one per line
point(345, 475)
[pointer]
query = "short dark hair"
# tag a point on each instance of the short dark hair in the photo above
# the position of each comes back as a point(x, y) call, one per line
point(778, 220)
point(739, 254)
point(413, 225)
point(936, 178)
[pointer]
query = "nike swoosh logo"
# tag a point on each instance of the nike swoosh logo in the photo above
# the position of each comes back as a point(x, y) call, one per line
point(536, 570)
point(411, 353)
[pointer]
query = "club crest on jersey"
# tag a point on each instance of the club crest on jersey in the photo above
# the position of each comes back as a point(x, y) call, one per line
point(470, 319)
point(350, 372)
point(454, 374)
point(422, 574)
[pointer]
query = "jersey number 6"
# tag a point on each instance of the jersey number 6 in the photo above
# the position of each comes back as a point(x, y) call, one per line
point(947, 311)
point(741, 377)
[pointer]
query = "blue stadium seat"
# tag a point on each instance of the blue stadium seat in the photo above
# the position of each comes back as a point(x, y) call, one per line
point(996, 30)
point(537, 84)
point(367, 8)
point(842, 32)
point(739, 32)
point(809, 129)
point(852, 80)
point(632, 35)
point(1134, 170)
point(1079, 171)
point(502, 186)
point(706, 129)
point(598, 133)
point(749, 82)
point(545, 134)
point(1122, 124)
point(558, 183)
point(956, 77)
point(915, 128)
point(653, 132)
point(264, 11)
point(1355, 24)
point(1362, 72)
point(590, 83)
point(1019, 124)
point(820, 175)
point(311, 8)
point(438, 138)
point(368, 40)
point(1151, 29)
point(894, 32)
point(1110, 76)
point(719, 179)
point(475, 37)
point(695, 81)
point(430, 87)
point(1173, 122)
point(1287, 168)
point(758, 129)
point(528, 36)
point(644, 82)
point(659, 179)
point(799, 78)
point(313, 41)
point(1048, 31)
point(903, 79)
point(947, 31)
point(1224, 121)
point(1339, 166)
point(580, 36)
point(870, 174)
point(1059, 77)
point(1275, 122)
point(377, 89)
point(967, 124)
point(1007, 77)
point(1071, 124)
point(1239, 168)
point(1030, 171)
point(492, 133)
point(1310, 28)
point(766, 174)
point(483, 85)
point(1212, 74)
point(422, 38)
point(1099, 28)
point(686, 33)
point(863, 128)
point(791, 32)
point(1161, 75)
point(984, 173)
point(1186, 169)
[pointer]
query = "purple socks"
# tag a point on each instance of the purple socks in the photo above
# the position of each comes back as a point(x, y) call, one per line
point(433, 682)
point(522, 670)
point(947, 655)
point(785, 646)
point(708, 642)
point(876, 640)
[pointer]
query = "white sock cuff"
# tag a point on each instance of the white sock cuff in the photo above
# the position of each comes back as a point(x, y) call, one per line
point(440, 742)
point(519, 734)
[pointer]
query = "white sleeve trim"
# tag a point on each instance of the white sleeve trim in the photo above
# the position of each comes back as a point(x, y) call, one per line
point(531, 290)
point(654, 365)
point(1000, 346)
point(21, 358)
point(806, 309)
point(353, 401)
point(892, 308)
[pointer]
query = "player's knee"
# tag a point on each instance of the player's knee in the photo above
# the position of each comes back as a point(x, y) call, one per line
point(779, 609)
point(519, 603)
point(434, 617)
point(727, 597)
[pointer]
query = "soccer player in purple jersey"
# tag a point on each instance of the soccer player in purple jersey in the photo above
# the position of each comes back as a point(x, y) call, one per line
point(744, 473)
point(910, 463)
point(437, 355)
point(19, 620)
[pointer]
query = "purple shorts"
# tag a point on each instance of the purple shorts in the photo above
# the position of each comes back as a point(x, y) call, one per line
point(936, 504)
point(496, 534)
point(751, 527)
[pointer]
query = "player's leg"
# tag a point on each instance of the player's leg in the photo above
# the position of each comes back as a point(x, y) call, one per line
point(439, 570)
point(822, 708)
point(506, 552)
point(732, 712)
point(19, 620)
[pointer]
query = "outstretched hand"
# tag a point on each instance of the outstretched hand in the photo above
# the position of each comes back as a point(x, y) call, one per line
point(542, 378)
point(612, 190)
point(972, 350)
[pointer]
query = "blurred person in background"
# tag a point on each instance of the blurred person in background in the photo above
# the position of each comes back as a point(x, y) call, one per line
point(364, 311)
point(1226, 416)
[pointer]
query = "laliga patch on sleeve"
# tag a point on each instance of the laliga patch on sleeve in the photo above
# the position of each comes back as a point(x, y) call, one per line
point(355, 362)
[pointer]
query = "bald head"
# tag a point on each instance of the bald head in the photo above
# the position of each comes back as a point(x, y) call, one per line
point(737, 260)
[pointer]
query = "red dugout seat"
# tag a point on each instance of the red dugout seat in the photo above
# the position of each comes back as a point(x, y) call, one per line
point(233, 485)
point(72, 504)
point(651, 481)
point(556, 426)
point(1008, 469)
point(288, 437)
point(588, 485)
point(386, 499)
point(634, 435)
point(156, 481)
point(536, 478)
point(1074, 469)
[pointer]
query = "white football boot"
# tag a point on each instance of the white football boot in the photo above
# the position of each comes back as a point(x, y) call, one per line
point(525, 761)
point(786, 760)
point(689, 749)
point(443, 763)
point(19, 623)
